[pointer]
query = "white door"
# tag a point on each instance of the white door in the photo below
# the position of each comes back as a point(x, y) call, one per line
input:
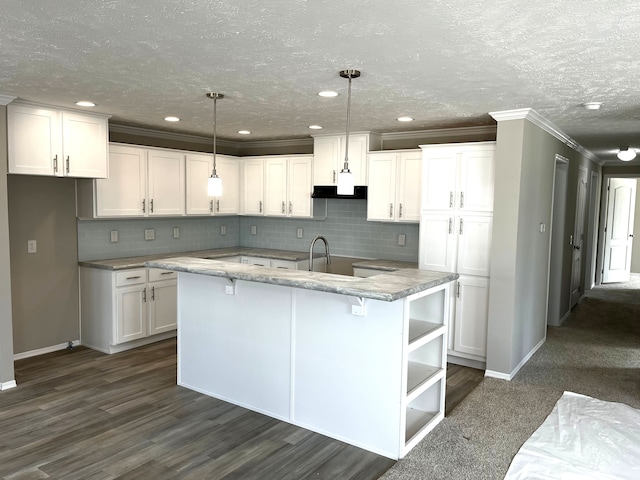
point(131, 311)
point(33, 141)
point(437, 242)
point(228, 170)
point(252, 186)
point(163, 307)
point(198, 170)
point(439, 179)
point(299, 187)
point(166, 183)
point(275, 187)
point(124, 193)
point(577, 239)
point(408, 186)
point(84, 145)
point(621, 201)
point(475, 180)
point(472, 308)
point(382, 186)
point(474, 244)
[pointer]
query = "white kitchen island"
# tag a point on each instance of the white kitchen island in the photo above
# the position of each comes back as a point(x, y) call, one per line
point(361, 360)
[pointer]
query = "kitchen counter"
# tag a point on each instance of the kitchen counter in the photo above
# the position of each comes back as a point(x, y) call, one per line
point(388, 286)
point(138, 262)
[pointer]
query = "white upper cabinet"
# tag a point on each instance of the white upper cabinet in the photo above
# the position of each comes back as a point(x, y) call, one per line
point(48, 141)
point(166, 182)
point(458, 177)
point(124, 193)
point(275, 192)
point(299, 187)
point(394, 186)
point(198, 171)
point(329, 153)
point(252, 186)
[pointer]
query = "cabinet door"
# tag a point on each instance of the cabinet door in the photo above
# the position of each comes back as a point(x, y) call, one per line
point(166, 182)
point(299, 187)
point(326, 151)
point(284, 264)
point(163, 306)
point(275, 187)
point(33, 141)
point(409, 183)
point(437, 242)
point(476, 179)
point(198, 170)
point(382, 187)
point(229, 171)
point(358, 149)
point(131, 313)
point(84, 145)
point(258, 261)
point(124, 193)
point(253, 185)
point(472, 306)
point(439, 179)
point(474, 244)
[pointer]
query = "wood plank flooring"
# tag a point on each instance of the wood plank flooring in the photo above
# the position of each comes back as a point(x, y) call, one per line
point(81, 414)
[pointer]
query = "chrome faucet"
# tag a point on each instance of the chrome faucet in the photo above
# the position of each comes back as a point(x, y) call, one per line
point(326, 251)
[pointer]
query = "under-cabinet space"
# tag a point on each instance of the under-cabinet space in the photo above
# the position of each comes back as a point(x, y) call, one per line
point(423, 413)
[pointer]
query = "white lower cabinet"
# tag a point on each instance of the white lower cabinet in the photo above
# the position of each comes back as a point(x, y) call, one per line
point(318, 264)
point(468, 327)
point(127, 308)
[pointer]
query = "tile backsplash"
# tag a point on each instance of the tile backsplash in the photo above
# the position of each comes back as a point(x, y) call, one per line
point(346, 229)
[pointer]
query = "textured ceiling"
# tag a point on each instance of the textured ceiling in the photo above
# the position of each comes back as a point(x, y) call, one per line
point(445, 63)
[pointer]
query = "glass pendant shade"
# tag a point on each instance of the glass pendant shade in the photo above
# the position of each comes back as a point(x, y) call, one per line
point(626, 154)
point(345, 183)
point(214, 186)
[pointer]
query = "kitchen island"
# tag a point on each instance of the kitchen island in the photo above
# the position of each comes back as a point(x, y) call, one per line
point(362, 360)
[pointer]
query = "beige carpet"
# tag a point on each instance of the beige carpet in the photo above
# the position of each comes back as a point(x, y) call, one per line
point(596, 352)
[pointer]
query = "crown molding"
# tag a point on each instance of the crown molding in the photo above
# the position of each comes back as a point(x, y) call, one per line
point(534, 117)
point(6, 99)
point(440, 133)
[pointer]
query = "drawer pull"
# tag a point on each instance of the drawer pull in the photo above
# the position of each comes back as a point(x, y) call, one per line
point(133, 278)
point(167, 273)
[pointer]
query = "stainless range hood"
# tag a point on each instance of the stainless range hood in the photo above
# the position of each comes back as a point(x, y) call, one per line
point(331, 191)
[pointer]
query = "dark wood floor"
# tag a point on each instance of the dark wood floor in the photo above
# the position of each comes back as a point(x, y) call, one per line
point(83, 415)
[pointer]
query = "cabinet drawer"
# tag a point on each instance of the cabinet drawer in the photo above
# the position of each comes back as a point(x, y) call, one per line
point(156, 274)
point(131, 277)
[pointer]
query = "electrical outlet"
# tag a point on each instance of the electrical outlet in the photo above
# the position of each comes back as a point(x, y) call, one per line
point(114, 236)
point(223, 229)
point(149, 234)
point(543, 228)
point(299, 233)
point(176, 232)
point(402, 240)
point(254, 230)
point(32, 246)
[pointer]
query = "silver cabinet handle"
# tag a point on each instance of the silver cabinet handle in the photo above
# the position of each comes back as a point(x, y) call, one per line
point(334, 176)
point(291, 209)
point(67, 164)
point(450, 225)
point(218, 205)
point(167, 273)
point(260, 206)
point(55, 164)
point(450, 199)
point(391, 210)
point(283, 206)
point(461, 226)
point(400, 211)
point(461, 199)
point(133, 278)
point(210, 206)
point(144, 205)
point(153, 293)
point(151, 206)
point(144, 295)
point(458, 293)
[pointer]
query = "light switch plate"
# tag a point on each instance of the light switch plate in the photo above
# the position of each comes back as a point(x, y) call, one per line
point(401, 240)
point(223, 229)
point(299, 233)
point(149, 234)
point(32, 246)
point(114, 236)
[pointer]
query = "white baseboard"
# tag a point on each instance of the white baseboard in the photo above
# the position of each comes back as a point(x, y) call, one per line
point(509, 376)
point(42, 351)
point(8, 385)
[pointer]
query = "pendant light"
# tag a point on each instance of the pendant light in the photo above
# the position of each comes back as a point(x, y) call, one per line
point(626, 154)
point(345, 177)
point(214, 185)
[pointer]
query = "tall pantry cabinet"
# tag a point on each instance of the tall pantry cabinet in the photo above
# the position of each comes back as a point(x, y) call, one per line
point(456, 221)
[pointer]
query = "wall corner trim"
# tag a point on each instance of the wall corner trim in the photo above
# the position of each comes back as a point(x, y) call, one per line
point(540, 121)
point(8, 385)
point(6, 99)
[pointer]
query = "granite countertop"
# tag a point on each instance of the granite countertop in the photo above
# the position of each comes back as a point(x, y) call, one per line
point(385, 265)
point(139, 262)
point(387, 287)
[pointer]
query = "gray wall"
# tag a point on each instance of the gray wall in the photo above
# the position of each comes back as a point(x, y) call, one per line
point(525, 163)
point(6, 326)
point(635, 254)
point(44, 284)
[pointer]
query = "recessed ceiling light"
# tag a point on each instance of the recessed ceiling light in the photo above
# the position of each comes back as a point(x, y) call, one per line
point(328, 93)
point(315, 127)
point(405, 119)
point(244, 132)
point(85, 103)
point(626, 154)
point(592, 105)
point(172, 119)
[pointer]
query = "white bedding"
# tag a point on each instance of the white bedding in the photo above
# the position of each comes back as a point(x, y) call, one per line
point(582, 438)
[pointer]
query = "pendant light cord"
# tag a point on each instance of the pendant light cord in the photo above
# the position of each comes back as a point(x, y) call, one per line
point(215, 104)
point(346, 144)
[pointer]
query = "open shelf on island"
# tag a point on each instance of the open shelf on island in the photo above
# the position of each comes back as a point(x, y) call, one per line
point(421, 332)
point(420, 377)
point(423, 413)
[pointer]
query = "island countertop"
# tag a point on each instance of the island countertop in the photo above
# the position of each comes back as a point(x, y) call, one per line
point(389, 286)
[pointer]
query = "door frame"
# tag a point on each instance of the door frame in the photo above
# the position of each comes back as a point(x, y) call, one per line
point(592, 231)
point(603, 218)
